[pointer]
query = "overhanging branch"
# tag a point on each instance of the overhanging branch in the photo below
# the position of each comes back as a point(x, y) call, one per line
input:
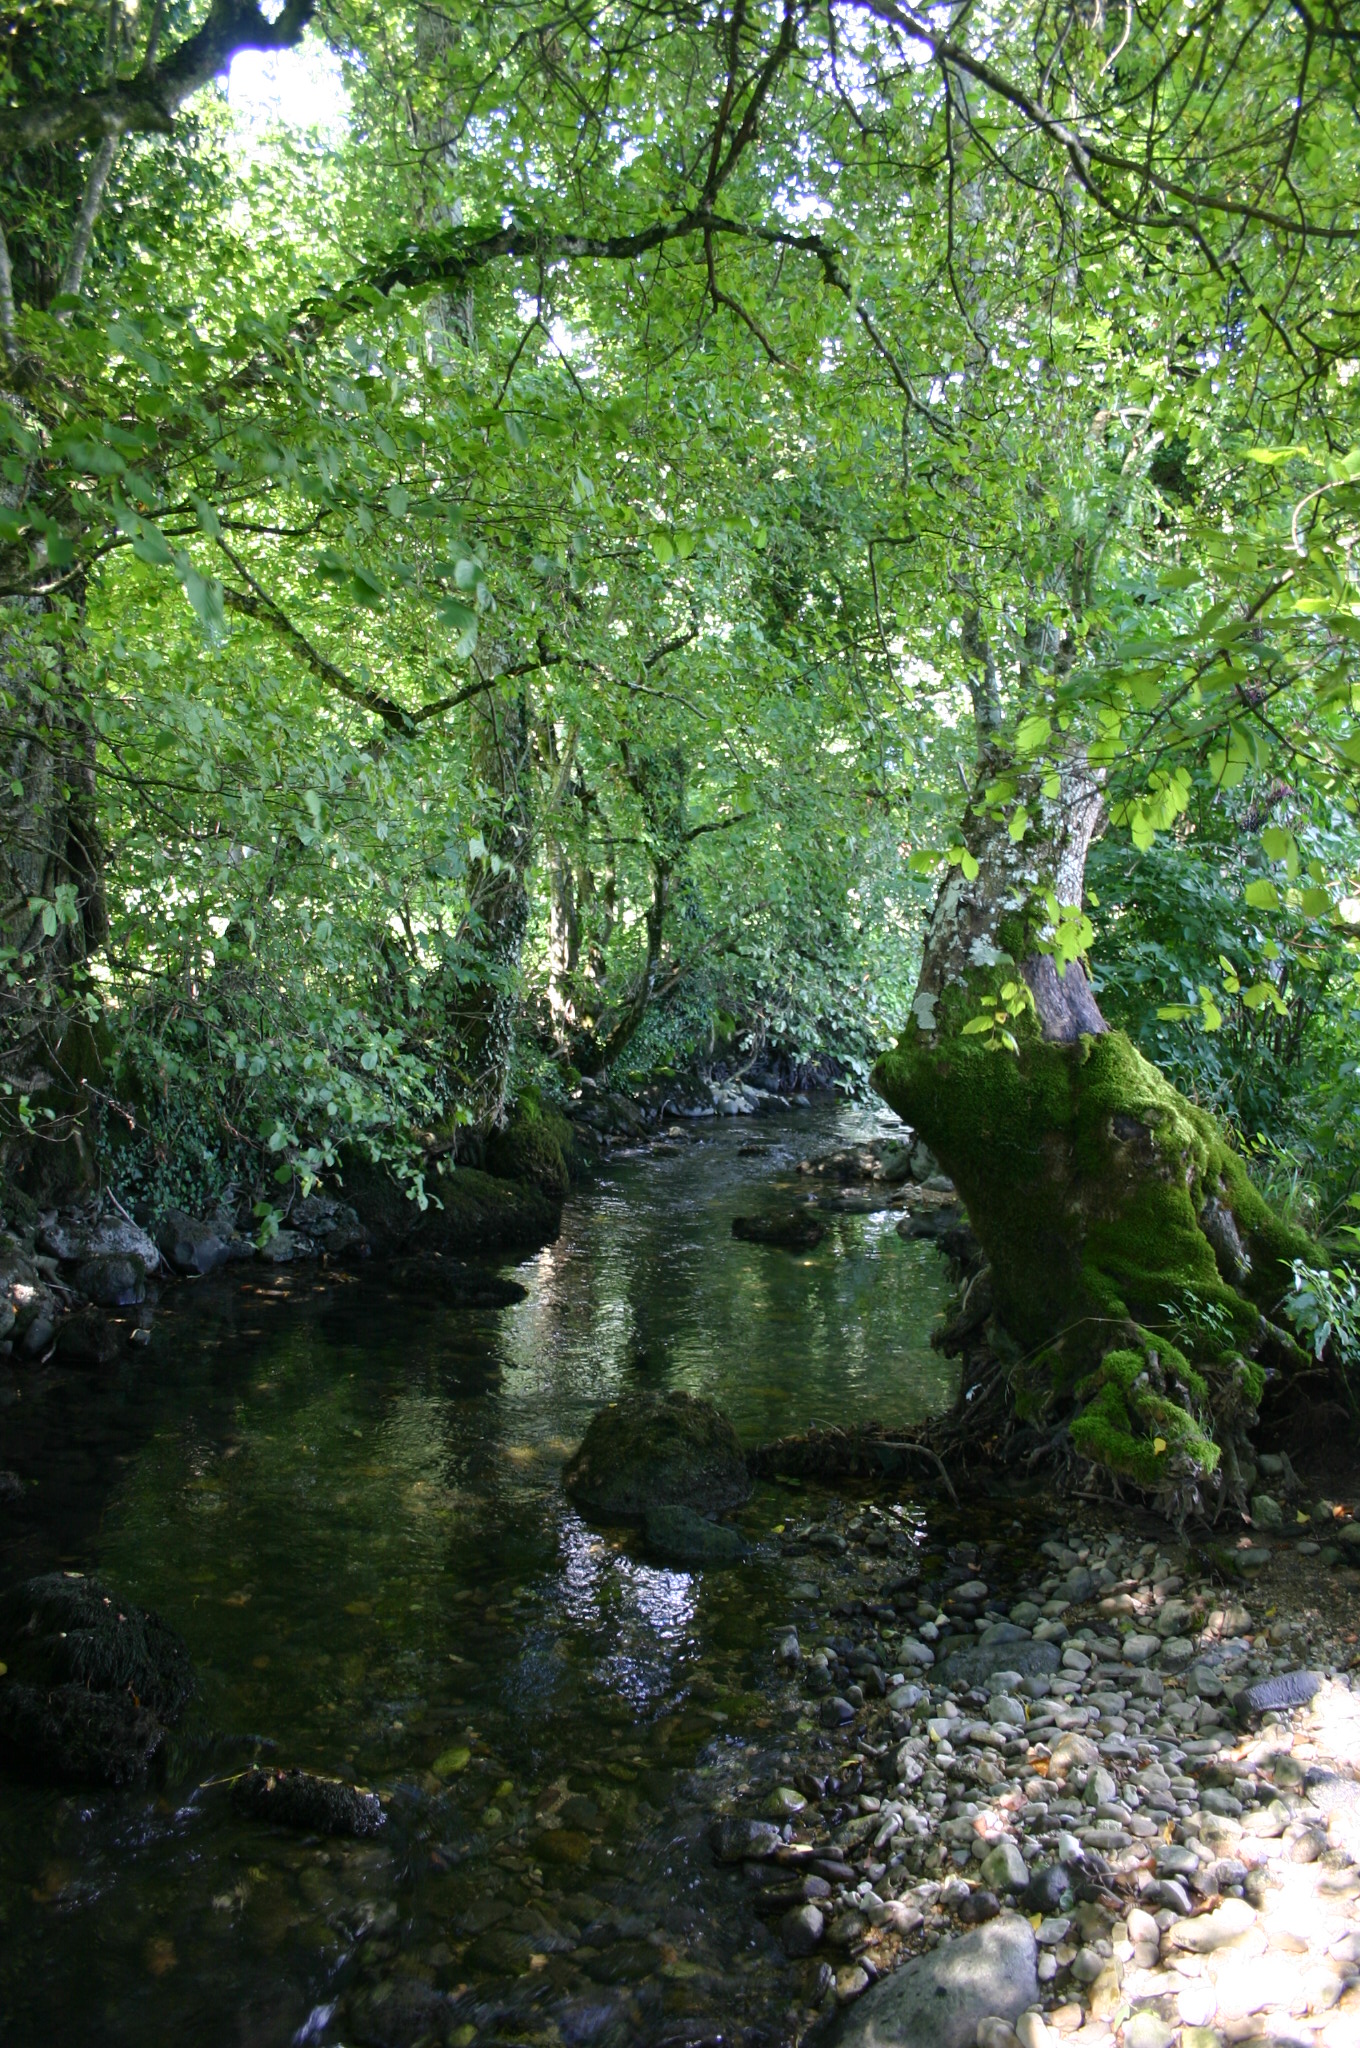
point(148, 103)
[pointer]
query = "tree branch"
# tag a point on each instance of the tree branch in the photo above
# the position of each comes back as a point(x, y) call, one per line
point(148, 103)
point(89, 214)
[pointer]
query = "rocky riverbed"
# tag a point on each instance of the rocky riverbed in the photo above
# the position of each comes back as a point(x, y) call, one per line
point(1086, 1747)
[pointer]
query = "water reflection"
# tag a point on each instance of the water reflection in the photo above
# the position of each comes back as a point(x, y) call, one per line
point(349, 1505)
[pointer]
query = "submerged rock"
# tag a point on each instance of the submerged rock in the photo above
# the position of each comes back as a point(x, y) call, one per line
point(73, 1736)
point(89, 1339)
point(937, 1999)
point(658, 1450)
point(300, 1799)
point(736, 1840)
point(455, 1284)
point(63, 1629)
point(793, 1230)
point(679, 1536)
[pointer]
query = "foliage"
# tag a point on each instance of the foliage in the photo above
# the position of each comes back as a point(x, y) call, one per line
point(1324, 1307)
point(508, 580)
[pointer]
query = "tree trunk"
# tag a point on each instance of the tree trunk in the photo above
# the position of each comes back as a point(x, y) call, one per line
point(52, 912)
point(484, 1031)
point(1130, 1256)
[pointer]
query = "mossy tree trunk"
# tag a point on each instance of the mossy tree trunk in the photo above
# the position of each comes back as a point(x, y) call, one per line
point(1133, 1266)
point(486, 1011)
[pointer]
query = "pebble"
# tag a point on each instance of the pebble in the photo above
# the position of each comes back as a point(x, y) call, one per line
point(1097, 1757)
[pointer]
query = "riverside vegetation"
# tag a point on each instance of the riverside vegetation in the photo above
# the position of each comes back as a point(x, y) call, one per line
point(581, 574)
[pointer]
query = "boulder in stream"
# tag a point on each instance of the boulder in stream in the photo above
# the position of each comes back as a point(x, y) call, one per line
point(793, 1230)
point(90, 1683)
point(655, 1450)
point(301, 1799)
point(68, 1735)
point(64, 1629)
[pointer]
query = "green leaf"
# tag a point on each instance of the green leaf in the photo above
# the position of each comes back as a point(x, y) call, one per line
point(1032, 732)
point(1262, 895)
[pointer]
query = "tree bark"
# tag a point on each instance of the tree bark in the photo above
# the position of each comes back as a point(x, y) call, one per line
point(1130, 1256)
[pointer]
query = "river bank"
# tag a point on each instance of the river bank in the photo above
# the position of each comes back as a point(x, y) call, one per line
point(1096, 1733)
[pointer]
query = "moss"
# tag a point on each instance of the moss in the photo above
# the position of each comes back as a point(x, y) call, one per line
point(1085, 1174)
point(1135, 1426)
point(531, 1148)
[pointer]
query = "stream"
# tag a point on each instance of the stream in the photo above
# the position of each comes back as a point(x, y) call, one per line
point(349, 1506)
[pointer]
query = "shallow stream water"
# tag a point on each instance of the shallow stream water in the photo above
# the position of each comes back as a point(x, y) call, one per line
point(350, 1508)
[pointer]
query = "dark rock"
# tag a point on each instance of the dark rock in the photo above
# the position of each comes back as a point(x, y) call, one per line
point(68, 1735)
point(1292, 1689)
point(1165, 1892)
point(1004, 1632)
point(794, 1230)
point(75, 1239)
point(653, 1450)
point(400, 2012)
point(11, 1489)
point(453, 1283)
point(836, 1712)
point(679, 1536)
point(1049, 1890)
point(978, 1907)
point(976, 1663)
point(66, 1629)
point(734, 1840)
point(299, 1799)
point(801, 1929)
point(89, 1340)
point(333, 1226)
point(191, 1245)
point(937, 1999)
point(112, 1279)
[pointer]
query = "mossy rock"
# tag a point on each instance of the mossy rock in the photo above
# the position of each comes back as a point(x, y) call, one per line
point(651, 1451)
point(64, 1629)
point(468, 1211)
point(479, 1213)
point(536, 1148)
point(301, 1799)
point(68, 1735)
